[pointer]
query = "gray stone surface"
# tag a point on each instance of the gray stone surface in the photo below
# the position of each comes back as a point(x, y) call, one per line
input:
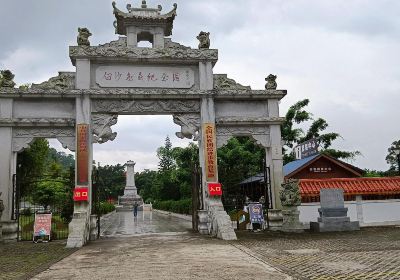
point(333, 214)
point(332, 198)
point(153, 249)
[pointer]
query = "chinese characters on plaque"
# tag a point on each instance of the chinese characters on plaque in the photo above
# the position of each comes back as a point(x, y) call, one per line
point(81, 194)
point(214, 189)
point(82, 154)
point(210, 152)
point(144, 76)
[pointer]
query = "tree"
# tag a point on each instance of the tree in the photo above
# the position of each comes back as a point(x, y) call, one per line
point(293, 135)
point(145, 183)
point(49, 193)
point(166, 156)
point(391, 157)
point(111, 181)
point(239, 159)
point(31, 164)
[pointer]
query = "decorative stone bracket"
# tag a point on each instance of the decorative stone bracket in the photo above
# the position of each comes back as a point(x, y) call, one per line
point(190, 125)
point(101, 127)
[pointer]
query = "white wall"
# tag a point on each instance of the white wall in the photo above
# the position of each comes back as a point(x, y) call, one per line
point(371, 212)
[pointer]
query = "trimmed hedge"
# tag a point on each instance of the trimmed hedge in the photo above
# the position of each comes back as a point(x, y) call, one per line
point(180, 206)
point(106, 207)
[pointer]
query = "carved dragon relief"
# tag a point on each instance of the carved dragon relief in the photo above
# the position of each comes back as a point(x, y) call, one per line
point(23, 137)
point(145, 106)
point(190, 125)
point(64, 80)
point(221, 81)
point(119, 50)
point(101, 127)
point(259, 133)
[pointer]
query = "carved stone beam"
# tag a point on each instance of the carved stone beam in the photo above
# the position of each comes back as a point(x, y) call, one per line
point(190, 125)
point(23, 137)
point(259, 133)
point(101, 127)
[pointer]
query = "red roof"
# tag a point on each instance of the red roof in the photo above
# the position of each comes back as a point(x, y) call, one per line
point(351, 186)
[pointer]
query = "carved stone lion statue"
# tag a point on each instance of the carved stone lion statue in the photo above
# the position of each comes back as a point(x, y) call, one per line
point(290, 194)
point(83, 37)
point(101, 128)
point(6, 79)
point(271, 82)
point(204, 40)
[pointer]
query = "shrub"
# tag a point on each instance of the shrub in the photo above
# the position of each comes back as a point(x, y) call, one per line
point(26, 211)
point(183, 206)
point(106, 207)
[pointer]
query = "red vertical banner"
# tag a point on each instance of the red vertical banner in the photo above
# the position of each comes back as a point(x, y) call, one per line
point(210, 152)
point(82, 154)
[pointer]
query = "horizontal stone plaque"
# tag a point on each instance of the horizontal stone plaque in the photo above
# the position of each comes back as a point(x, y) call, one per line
point(144, 76)
point(332, 198)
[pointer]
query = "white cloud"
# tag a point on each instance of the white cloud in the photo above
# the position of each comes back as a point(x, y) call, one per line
point(342, 55)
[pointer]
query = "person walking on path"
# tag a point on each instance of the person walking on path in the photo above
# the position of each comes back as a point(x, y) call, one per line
point(135, 208)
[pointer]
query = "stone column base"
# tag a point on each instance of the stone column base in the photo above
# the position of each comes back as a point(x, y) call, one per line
point(93, 227)
point(79, 229)
point(9, 231)
point(203, 221)
point(275, 219)
point(291, 222)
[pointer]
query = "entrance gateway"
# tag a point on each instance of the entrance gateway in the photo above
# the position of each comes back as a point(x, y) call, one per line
point(119, 78)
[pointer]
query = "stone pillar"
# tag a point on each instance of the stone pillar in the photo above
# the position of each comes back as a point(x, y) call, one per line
point(79, 228)
point(7, 169)
point(218, 222)
point(274, 157)
point(158, 38)
point(359, 207)
point(130, 197)
point(131, 36)
point(130, 178)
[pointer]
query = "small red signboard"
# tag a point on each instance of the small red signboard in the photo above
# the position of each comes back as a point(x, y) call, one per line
point(42, 226)
point(214, 189)
point(81, 194)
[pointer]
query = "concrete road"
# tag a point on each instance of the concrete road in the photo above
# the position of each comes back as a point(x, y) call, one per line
point(158, 247)
point(125, 224)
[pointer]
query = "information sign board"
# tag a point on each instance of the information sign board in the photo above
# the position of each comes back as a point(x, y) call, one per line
point(42, 226)
point(256, 213)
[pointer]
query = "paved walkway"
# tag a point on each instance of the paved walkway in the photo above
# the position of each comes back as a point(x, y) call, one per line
point(156, 246)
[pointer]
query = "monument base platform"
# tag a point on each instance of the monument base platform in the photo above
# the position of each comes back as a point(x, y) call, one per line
point(337, 224)
point(126, 203)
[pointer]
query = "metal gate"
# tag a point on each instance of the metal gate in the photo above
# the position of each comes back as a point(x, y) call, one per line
point(25, 207)
point(197, 195)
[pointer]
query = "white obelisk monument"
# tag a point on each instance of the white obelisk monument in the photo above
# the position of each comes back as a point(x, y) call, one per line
point(130, 196)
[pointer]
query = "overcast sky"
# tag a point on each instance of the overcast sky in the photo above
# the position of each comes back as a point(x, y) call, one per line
point(343, 55)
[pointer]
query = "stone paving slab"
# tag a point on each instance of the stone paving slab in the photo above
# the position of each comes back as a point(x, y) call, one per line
point(372, 253)
point(161, 256)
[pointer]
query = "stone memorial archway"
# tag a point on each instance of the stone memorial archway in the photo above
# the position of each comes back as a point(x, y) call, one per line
point(79, 108)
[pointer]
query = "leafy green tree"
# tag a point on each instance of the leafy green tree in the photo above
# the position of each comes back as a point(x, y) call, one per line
point(112, 181)
point(145, 182)
point(31, 164)
point(391, 157)
point(239, 159)
point(49, 193)
point(165, 155)
point(186, 160)
point(293, 135)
